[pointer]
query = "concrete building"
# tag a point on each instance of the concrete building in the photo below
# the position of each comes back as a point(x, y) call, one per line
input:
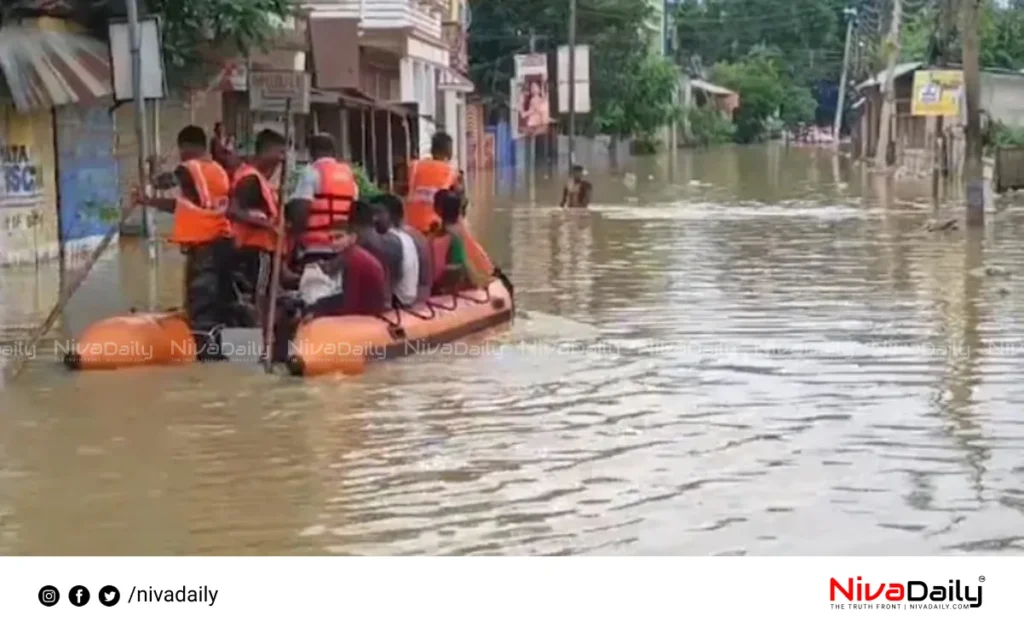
point(455, 83)
point(658, 26)
point(404, 55)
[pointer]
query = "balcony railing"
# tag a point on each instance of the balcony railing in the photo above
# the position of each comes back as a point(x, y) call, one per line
point(422, 16)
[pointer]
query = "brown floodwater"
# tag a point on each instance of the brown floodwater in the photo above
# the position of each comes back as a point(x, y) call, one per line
point(737, 351)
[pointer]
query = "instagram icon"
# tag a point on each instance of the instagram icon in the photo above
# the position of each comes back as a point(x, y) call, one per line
point(49, 596)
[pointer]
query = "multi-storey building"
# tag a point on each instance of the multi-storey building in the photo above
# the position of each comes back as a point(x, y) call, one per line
point(406, 52)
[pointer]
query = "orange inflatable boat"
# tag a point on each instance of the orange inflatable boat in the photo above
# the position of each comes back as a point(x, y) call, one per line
point(321, 346)
point(347, 343)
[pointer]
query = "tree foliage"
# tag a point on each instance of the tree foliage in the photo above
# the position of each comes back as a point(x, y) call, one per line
point(643, 99)
point(766, 92)
point(1001, 31)
point(807, 35)
point(618, 33)
point(709, 127)
point(198, 34)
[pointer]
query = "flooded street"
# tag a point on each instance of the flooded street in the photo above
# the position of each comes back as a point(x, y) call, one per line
point(741, 351)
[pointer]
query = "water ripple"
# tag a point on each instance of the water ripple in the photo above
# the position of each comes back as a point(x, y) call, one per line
point(752, 357)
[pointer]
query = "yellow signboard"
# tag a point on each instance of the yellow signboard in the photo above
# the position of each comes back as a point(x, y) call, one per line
point(937, 93)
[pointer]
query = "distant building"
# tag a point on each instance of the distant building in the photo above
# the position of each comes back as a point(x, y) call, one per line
point(657, 26)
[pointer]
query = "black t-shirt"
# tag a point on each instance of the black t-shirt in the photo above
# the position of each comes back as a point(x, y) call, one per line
point(186, 184)
point(249, 195)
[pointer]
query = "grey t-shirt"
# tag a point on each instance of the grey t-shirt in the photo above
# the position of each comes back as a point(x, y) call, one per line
point(387, 248)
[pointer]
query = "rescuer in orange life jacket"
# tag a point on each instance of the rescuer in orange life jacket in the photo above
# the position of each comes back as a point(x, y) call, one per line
point(426, 179)
point(323, 198)
point(202, 230)
point(254, 212)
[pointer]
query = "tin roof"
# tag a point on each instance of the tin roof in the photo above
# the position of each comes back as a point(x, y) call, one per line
point(898, 71)
point(707, 86)
point(46, 67)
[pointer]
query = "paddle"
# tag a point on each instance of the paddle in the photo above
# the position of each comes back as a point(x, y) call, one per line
point(18, 366)
point(275, 274)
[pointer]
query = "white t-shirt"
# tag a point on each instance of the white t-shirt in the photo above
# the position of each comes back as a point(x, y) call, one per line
point(315, 284)
point(406, 289)
point(308, 184)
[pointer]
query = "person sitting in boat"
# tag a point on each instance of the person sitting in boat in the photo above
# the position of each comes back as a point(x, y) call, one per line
point(453, 268)
point(576, 194)
point(373, 233)
point(350, 281)
point(254, 212)
point(416, 274)
point(202, 230)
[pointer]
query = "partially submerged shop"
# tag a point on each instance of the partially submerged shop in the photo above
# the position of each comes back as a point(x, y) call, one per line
point(60, 185)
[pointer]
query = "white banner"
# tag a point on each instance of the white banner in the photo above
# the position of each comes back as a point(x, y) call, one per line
point(582, 78)
point(471, 594)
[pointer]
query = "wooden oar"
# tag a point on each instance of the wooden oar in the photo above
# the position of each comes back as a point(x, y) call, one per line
point(18, 366)
point(275, 275)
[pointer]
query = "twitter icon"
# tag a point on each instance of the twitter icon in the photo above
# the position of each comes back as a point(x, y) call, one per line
point(109, 596)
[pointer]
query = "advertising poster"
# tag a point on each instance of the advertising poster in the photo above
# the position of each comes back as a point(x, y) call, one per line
point(532, 103)
point(937, 93)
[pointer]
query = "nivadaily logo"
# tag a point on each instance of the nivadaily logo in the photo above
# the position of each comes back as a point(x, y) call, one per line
point(912, 594)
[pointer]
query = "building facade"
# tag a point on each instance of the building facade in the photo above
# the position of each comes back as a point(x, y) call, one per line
point(404, 56)
point(60, 191)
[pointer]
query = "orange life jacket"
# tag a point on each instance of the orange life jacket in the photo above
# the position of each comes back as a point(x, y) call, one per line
point(206, 222)
point(332, 201)
point(439, 247)
point(426, 178)
point(247, 236)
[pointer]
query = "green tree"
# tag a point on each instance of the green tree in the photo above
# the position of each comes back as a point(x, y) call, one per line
point(643, 99)
point(766, 91)
point(199, 34)
point(1001, 30)
point(808, 35)
point(709, 127)
point(618, 33)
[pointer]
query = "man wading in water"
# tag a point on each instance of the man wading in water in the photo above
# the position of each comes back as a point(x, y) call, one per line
point(576, 194)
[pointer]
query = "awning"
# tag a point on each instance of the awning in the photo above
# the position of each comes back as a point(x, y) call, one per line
point(358, 98)
point(454, 81)
point(44, 68)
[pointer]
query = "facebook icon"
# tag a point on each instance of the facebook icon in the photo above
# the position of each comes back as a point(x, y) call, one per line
point(79, 596)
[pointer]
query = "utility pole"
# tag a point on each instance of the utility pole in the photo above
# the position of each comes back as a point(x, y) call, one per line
point(837, 126)
point(531, 141)
point(572, 83)
point(945, 20)
point(141, 136)
point(973, 170)
point(888, 93)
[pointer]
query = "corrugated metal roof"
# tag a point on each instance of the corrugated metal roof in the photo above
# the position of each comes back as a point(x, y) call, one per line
point(45, 68)
point(705, 86)
point(898, 71)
